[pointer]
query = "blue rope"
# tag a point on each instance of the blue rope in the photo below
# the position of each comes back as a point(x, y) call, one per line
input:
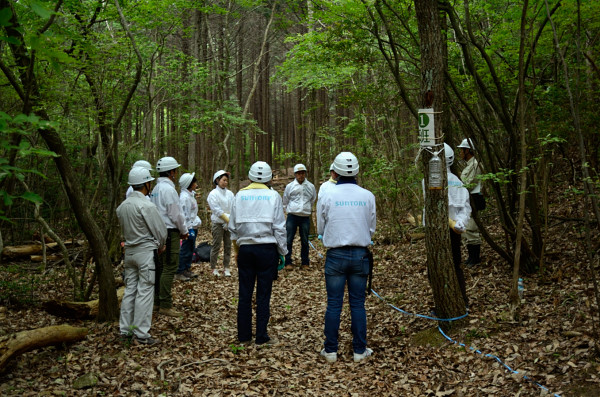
point(311, 244)
point(420, 315)
point(462, 344)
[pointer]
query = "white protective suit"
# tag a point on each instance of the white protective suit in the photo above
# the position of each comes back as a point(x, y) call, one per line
point(298, 198)
point(189, 208)
point(220, 202)
point(166, 199)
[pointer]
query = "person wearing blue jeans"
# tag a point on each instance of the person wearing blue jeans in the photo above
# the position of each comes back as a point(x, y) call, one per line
point(346, 219)
point(298, 199)
point(189, 208)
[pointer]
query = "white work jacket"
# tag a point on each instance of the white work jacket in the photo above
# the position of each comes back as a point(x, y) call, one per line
point(470, 175)
point(130, 190)
point(165, 197)
point(142, 225)
point(220, 202)
point(298, 198)
point(459, 208)
point(257, 218)
point(347, 216)
point(325, 187)
point(189, 207)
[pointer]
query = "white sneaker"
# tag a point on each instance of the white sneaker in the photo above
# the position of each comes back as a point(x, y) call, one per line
point(359, 357)
point(216, 273)
point(330, 357)
point(227, 273)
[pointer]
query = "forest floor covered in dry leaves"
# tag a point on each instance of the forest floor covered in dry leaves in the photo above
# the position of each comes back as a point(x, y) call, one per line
point(551, 343)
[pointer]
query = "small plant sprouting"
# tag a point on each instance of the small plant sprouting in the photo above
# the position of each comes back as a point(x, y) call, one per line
point(235, 348)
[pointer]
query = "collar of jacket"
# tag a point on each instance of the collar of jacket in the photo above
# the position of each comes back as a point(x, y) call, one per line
point(256, 185)
point(342, 180)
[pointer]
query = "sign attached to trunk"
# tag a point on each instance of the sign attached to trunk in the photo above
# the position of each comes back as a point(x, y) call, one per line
point(426, 128)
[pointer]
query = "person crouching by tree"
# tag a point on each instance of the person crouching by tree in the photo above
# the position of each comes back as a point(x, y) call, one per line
point(145, 237)
point(257, 226)
point(166, 199)
point(220, 201)
point(346, 218)
point(189, 207)
point(298, 198)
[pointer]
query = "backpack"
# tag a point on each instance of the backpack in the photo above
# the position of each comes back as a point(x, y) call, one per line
point(201, 253)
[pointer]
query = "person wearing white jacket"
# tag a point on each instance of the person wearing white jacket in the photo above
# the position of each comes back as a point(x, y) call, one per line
point(459, 211)
point(166, 199)
point(257, 226)
point(189, 208)
point(220, 201)
point(298, 199)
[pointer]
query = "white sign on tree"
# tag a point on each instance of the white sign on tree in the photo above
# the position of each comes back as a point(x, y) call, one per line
point(426, 128)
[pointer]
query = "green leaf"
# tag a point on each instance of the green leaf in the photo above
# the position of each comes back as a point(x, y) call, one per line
point(34, 198)
point(5, 15)
point(39, 9)
point(10, 40)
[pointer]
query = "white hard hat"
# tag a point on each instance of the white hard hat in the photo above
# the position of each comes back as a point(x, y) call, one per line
point(219, 174)
point(299, 167)
point(260, 172)
point(346, 164)
point(331, 167)
point(139, 176)
point(449, 153)
point(186, 179)
point(143, 164)
point(467, 144)
point(167, 164)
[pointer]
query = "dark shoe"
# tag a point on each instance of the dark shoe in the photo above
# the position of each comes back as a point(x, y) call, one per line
point(189, 274)
point(270, 342)
point(473, 255)
point(305, 265)
point(181, 277)
point(146, 341)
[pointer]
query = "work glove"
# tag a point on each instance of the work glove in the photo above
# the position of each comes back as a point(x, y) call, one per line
point(225, 217)
point(457, 227)
point(192, 233)
point(281, 263)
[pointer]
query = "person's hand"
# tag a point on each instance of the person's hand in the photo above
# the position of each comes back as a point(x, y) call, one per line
point(192, 233)
point(162, 249)
point(184, 236)
point(459, 227)
point(281, 263)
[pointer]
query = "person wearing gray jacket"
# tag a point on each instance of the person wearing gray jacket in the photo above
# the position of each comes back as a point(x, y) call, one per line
point(145, 235)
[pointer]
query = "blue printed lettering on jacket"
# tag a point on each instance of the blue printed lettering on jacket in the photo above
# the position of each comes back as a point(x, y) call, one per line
point(350, 203)
point(256, 198)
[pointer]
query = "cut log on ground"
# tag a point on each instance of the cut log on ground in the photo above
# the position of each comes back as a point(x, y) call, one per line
point(24, 341)
point(18, 251)
point(77, 310)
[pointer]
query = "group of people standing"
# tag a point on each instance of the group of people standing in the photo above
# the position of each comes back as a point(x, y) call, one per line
point(254, 222)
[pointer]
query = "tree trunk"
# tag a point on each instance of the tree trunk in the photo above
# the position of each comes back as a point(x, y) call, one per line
point(449, 302)
point(24, 341)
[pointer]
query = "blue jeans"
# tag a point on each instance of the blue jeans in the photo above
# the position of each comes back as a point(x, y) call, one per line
point(257, 263)
point(186, 254)
point(346, 265)
point(291, 224)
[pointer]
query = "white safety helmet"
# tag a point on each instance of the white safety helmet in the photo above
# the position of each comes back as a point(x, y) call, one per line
point(331, 167)
point(260, 172)
point(143, 164)
point(299, 167)
point(467, 144)
point(219, 174)
point(449, 153)
point(186, 180)
point(167, 164)
point(346, 164)
point(139, 176)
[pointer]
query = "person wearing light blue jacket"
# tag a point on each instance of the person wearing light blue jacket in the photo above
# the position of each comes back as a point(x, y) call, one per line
point(298, 199)
point(257, 226)
point(346, 219)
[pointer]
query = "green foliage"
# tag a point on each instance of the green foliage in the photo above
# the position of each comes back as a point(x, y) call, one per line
point(235, 349)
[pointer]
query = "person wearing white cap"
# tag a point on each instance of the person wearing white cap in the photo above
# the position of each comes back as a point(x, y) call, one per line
point(145, 235)
point(189, 207)
point(220, 201)
point(470, 177)
point(327, 185)
point(166, 199)
point(298, 199)
point(346, 218)
point(143, 164)
point(257, 226)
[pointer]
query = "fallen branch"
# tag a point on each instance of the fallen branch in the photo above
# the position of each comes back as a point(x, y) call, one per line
point(77, 310)
point(21, 342)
